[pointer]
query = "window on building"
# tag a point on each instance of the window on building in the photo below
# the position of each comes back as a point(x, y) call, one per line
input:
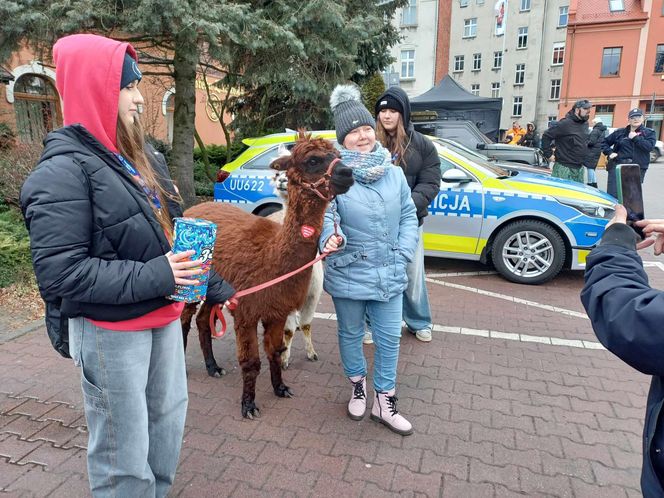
point(522, 39)
point(475, 89)
point(409, 14)
point(550, 119)
point(497, 60)
point(558, 57)
point(554, 93)
point(605, 113)
point(470, 28)
point(170, 111)
point(517, 106)
point(458, 63)
point(477, 62)
point(616, 5)
point(525, 5)
point(480, 2)
point(659, 59)
point(563, 16)
point(37, 107)
point(495, 89)
point(407, 64)
point(520, 75)
point(463, 3)
point(611, 61)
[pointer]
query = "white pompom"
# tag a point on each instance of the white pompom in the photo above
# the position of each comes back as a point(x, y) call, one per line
point(344, 93)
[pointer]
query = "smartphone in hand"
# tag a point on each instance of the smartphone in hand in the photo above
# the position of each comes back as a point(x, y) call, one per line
point(630, 194)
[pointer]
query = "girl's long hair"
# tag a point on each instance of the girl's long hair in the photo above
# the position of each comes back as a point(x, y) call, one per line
point(131, 144)
point(396, 144)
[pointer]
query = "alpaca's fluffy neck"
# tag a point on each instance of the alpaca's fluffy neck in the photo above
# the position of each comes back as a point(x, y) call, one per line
point(303, 211)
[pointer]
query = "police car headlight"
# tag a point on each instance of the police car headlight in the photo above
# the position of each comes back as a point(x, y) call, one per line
point(593, 209)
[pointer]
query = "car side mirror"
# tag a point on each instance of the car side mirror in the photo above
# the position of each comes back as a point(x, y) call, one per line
point(481, 146)
point(455, 176)
point(222, 174)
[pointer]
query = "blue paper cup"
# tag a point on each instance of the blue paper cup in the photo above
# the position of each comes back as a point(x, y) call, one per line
point(197, 235)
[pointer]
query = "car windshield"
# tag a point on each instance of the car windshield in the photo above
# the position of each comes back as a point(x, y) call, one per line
point(473, 156)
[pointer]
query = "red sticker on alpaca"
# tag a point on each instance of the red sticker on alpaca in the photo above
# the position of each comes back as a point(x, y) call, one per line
point(307, 231)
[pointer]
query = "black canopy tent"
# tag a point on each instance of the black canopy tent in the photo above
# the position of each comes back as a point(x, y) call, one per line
point(450, 101)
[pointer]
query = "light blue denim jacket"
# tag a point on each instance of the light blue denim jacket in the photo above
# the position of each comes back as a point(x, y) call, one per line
point(378, 223)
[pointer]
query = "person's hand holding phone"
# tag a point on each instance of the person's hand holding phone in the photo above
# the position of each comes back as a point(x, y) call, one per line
point(657, 226)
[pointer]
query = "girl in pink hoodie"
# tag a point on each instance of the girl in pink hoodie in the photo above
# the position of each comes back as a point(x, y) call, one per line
point(98, 209)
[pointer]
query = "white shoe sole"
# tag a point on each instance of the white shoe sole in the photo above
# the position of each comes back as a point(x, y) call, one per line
point(401, 432)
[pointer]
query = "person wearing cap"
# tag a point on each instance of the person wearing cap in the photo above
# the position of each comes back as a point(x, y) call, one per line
point(571, 142)
point(98, 208)
point(417, 157)
point(629, 145)
point(371, 232)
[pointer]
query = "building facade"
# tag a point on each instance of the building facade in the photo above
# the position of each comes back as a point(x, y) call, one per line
point(30, 103)
point(616, 59)
point(423, 49)
point(514, 49)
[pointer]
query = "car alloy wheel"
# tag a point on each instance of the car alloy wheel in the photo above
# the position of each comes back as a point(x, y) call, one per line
point(528, 252)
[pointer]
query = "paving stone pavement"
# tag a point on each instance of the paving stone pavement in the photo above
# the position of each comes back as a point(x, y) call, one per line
point(492, 417)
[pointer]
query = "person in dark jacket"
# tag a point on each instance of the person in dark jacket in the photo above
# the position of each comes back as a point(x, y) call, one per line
point(418, 158)
point(571, 141)
point(629, 145)
point(626, 315)
point(531, 137)
point(99, 208)
point(594, 149)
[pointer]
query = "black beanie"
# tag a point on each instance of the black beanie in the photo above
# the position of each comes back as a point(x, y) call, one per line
point(388, 102)
point(130, 71)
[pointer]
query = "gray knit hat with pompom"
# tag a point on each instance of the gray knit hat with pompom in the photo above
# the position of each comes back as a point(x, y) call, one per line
point(349, 111)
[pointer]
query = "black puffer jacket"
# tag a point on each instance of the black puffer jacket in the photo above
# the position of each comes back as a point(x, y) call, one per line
point(97, 248)
point(630, 150)
point(595, 145)
point(571, 139)
point(422, 164)
point(627, 315)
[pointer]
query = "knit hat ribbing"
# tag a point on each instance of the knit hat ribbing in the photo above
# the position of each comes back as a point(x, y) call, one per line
point(349, 111)
point(130, 71)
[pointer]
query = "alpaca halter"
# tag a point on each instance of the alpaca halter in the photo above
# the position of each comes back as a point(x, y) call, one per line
point(323, 181)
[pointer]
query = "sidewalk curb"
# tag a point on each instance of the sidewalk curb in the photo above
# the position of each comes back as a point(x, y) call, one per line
point(6, 336)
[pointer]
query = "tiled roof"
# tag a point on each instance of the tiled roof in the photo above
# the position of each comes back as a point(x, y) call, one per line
point(597, 11)
point(5, 75)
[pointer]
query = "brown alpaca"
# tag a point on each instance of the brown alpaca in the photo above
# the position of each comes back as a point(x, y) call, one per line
point(251, 250)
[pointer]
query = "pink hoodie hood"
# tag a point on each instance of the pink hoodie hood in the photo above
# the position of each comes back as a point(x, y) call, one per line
point(88, 69)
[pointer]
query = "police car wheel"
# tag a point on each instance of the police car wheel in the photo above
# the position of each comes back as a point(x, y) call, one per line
point(268, 210)
point(528, 252)
point(654, 155)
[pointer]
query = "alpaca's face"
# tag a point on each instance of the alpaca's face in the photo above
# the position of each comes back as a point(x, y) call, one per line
point(308, 165)
point(280, 184)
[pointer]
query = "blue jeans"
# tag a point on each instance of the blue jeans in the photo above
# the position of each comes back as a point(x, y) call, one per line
point(386, 324)
point(592, 177)
point(135, 398)
point(416, 309)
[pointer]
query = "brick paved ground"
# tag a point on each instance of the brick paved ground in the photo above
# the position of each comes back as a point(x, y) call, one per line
point(492, 417)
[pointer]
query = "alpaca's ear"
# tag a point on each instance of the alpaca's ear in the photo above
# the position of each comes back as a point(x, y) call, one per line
point(280, 163)
point(283, 156)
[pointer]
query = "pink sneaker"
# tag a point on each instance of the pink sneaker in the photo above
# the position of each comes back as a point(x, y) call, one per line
point(384, 410)
point(357, 405)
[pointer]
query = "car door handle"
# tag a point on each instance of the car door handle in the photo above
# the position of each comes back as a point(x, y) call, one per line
point(498, 199)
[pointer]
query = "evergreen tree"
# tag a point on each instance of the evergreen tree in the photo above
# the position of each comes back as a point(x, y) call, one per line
point(371, 90)
point(278, 59)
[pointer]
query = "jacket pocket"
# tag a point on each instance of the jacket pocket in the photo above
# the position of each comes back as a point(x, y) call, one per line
point(344, 259)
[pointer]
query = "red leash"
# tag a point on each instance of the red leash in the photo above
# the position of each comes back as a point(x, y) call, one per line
point(232, 303)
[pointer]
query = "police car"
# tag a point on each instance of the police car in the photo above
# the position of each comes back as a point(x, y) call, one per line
point(529, 226)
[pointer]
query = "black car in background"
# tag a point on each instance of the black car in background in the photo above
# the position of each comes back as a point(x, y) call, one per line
point(467, 134)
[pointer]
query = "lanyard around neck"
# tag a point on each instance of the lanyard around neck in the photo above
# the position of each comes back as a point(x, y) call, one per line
point(151, 193)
